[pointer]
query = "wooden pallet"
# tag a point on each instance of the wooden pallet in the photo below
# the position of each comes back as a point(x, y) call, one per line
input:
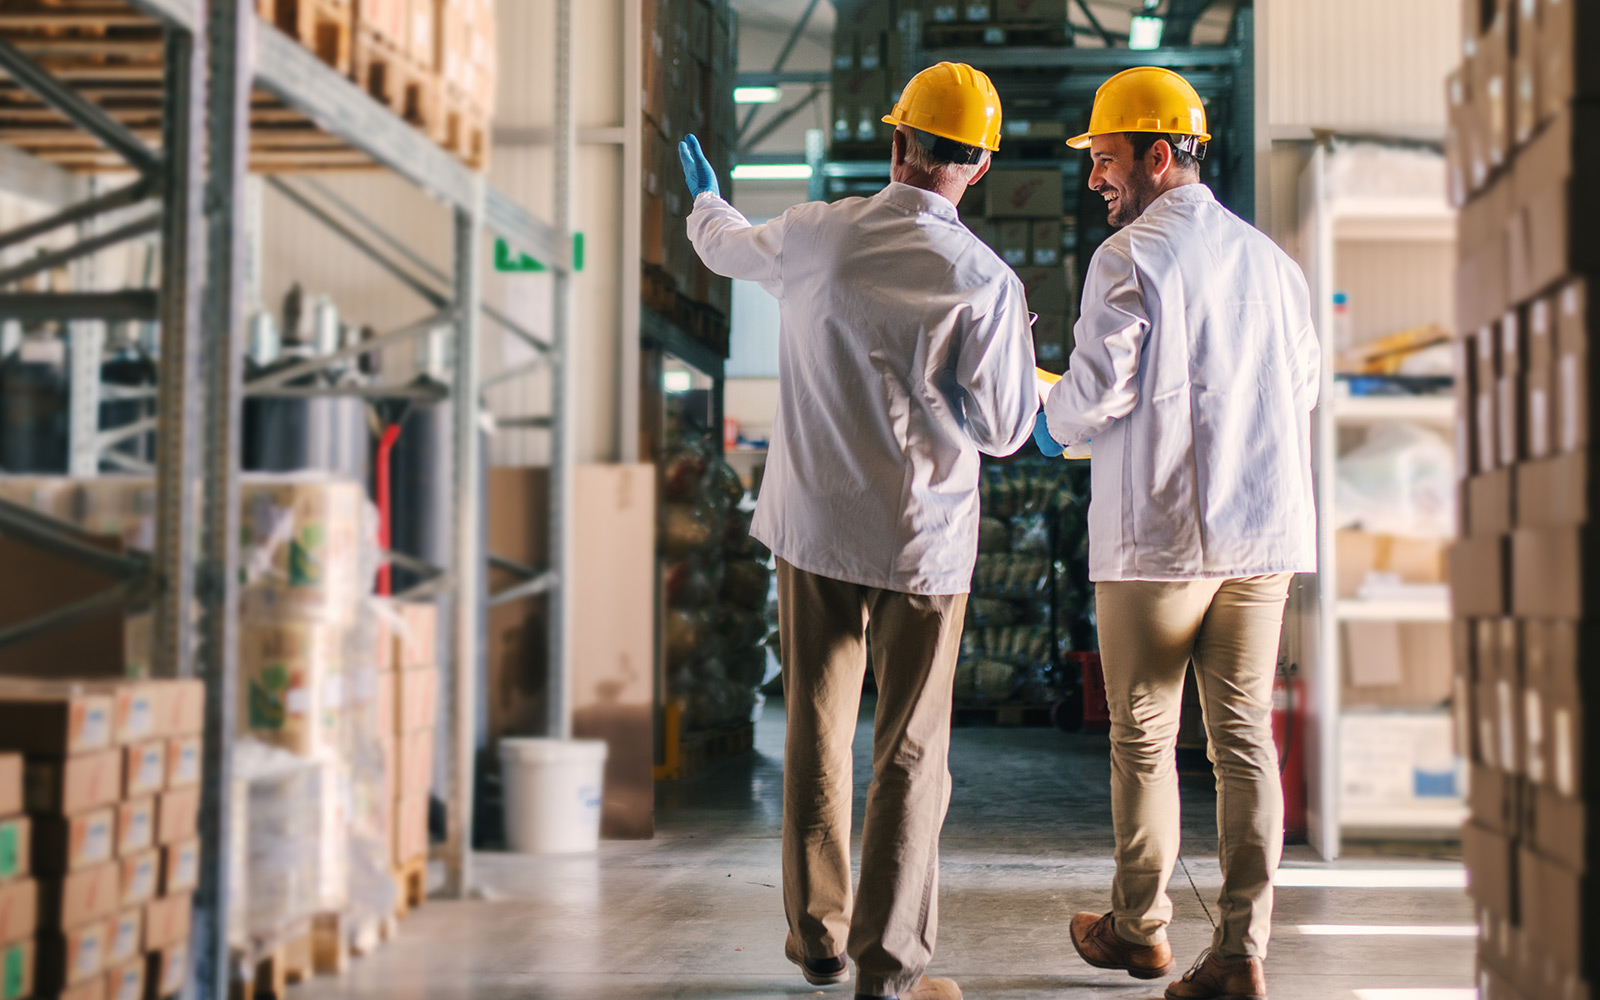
point(1021, 33)
point(323, 26)
point(461, 127)
point(1001, 715)
point(686, 753)
point(702, 322)
point(369, 933)
point(330, 942)
point(411, 879)
point(394, 79)
point(266, 969)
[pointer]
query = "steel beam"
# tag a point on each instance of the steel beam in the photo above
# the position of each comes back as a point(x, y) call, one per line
point(780, 120)
point(420, 393)
point(311, 366)
point(29, 177)
point(515, 372)
point(122, 197)
point(81, 112)
point(783, 57)
point(543, 583)
point(763, 78)
point(1094, 22)
point(67, 542)
point(229, 33)
point(34, 307)
point(564, 442)
point(80, 249)
point(466, 553)
point(1047, 57)
point(113, 598)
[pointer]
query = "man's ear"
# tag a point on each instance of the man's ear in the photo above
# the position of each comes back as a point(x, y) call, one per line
point(1159, 159)
point(982, 169)
point(897, 157)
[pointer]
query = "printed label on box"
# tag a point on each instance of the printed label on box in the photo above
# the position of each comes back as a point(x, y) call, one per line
point(1566, 778)
point(140, 718)
point(185, 867)
point(141, 880)
point(13, 971)
point(97, 839)
point(96, 730)
point(10, 849)
point(125, 937)
point(140, 830)
point(186, 765)
point(177, 958)
point(129, 984)
point(87, 961)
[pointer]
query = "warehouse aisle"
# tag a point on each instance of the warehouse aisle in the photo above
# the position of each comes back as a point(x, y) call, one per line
point(696, 912)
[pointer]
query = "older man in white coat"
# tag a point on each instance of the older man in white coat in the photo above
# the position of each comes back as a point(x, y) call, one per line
point(1194, 373)
point(904, 350)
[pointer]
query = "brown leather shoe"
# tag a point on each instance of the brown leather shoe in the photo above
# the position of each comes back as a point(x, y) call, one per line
point(1099, 944)
point(927, 988)
point(1213, 978)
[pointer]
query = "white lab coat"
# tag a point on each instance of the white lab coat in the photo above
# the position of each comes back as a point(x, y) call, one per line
point(1195, 371)
point(904, 350)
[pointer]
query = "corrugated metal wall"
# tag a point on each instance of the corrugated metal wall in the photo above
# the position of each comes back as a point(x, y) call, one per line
point(1361, 65)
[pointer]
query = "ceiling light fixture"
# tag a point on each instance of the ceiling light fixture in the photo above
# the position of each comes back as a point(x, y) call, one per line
point(757, 95)
point(772, 172)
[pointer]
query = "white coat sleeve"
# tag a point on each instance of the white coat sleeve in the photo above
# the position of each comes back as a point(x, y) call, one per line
point(995, 370)
point(1101, 383)
point(730, 246)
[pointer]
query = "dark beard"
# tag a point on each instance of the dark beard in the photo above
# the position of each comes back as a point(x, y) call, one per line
point(1135, 198)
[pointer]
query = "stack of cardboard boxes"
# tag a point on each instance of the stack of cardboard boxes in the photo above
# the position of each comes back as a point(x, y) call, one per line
point(1526, 574)
point(690, 70)
point(110, 780)
point(411, 714)
point(869, 59)
point(1020, 215)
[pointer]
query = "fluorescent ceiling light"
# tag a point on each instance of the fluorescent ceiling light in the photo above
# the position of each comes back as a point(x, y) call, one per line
point(1393, 930)
point(677, 381)
point(772, 172)
point(757, 95)
point(1145, 32)
point(1413, 994)
point(1370, 878)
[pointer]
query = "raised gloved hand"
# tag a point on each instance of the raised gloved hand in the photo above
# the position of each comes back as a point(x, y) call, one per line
point(1041, 437)
point(696, 168)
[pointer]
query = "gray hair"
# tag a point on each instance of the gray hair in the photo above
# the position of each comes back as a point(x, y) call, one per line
point(942, 171)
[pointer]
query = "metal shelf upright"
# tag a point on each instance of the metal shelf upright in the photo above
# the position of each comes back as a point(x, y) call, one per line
point(215, 55)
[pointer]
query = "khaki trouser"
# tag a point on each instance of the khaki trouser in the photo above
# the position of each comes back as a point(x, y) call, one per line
point(890, 929)
point(1149, 632)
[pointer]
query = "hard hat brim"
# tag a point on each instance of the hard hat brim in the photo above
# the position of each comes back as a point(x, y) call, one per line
point(892, 120)
point(1082, 141)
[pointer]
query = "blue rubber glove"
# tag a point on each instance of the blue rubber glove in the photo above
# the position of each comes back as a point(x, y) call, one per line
point(1041, 437)
point(696, 168)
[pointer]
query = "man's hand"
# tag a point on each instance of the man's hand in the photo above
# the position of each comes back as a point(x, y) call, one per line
point(696, 168)
point(1041, 437)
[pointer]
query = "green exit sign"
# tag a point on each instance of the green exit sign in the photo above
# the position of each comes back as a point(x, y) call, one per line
point(520, 263)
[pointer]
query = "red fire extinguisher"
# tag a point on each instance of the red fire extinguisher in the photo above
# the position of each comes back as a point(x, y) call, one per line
point(1289, 733)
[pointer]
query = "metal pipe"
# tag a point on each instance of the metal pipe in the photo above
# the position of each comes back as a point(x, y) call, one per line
point(113, 598)
point(564, 443)
point(512, 566)
point(81, 112)
point(530, 588)
point(515, 372)
point(312, 365)
point(426, 393)
point(66, 255)
point(122, 197)
point(61, 539)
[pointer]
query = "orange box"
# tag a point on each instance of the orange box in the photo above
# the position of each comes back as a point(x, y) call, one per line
point(136, 826)
point(417, 638)
point(183, 762)
point(414, 766)
point(64, 786)
point(67, 958)
point(167, 920)
point(140, 878)
point(411, 828)
point(127, 936)
point(144, 770)
point(51, 719)
point(417, 699)
point(126, 981)
point(168, 970)
point(19, 909)
point(136, 711)
point(89, 989)
point(180, 867)
point(177, 815)
point(63, 844)
point(10, 784)
point(80, 898)
point(182, 707)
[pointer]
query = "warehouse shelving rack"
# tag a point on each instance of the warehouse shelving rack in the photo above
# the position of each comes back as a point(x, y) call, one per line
point(215, 54)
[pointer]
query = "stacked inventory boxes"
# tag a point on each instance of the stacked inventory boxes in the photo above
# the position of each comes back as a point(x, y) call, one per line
point(868, 74)
point(111, 778)
point(1525, 574)
point(1024, 224)
point(690, 69)
point(415, 713)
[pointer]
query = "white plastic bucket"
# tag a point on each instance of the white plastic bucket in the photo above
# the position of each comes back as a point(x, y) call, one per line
point(552, 794)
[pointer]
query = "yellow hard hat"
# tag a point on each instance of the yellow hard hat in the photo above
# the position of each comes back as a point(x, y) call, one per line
point(952, 101)
point(1145, 99)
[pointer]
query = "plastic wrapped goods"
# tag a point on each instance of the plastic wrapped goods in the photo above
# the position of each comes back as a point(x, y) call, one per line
point(291, 687)
point(1401, 481)
point(279, 838)
point(301, 553)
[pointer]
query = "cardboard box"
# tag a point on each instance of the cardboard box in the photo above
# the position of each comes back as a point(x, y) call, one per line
point(1486, 429)
point(1024, 194)
point(16, 970)
point(1491, 500)
point(1553, 492)
point(73, 956)
point(140, 877)
point(1563, 909)
point(168, 970)
point(1389, 759)
point(1052, 344)
point(10, 784)
point(37, 582)
point(304, 532)
point(417, 638)
point(74, 784)
point(1569, 28)
point(1563, 832)
point(15, 849)
point(125, 981)
point(136, 826)
point(1053, 12)
point(177, 815)
point(1045, 242)
point(291, 686)
point(414, 766)
point(127, 936)
point(54, 720)
point(1568, 690)
point(1013, 236)
point(1483, 277)
point(1491, 85)
point(167, 921)
point(1045, 289)
point(1360, 553)
point(411, 828)
point(1396, 665)
point(1492, 799)
point(182, 707)
point(136, 713)
point(19, 909)
point(180, 868)
point(417, 699)
point(144, 769)
point(389, 19)
point(1479, 569)
point(1547, 573)
point(183, 762)
point(1573, 372)
point(1491, 860)
point(77, 899)
point(63, 844)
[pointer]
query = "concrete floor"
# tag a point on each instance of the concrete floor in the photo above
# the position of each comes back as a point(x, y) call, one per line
point(696, 913)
